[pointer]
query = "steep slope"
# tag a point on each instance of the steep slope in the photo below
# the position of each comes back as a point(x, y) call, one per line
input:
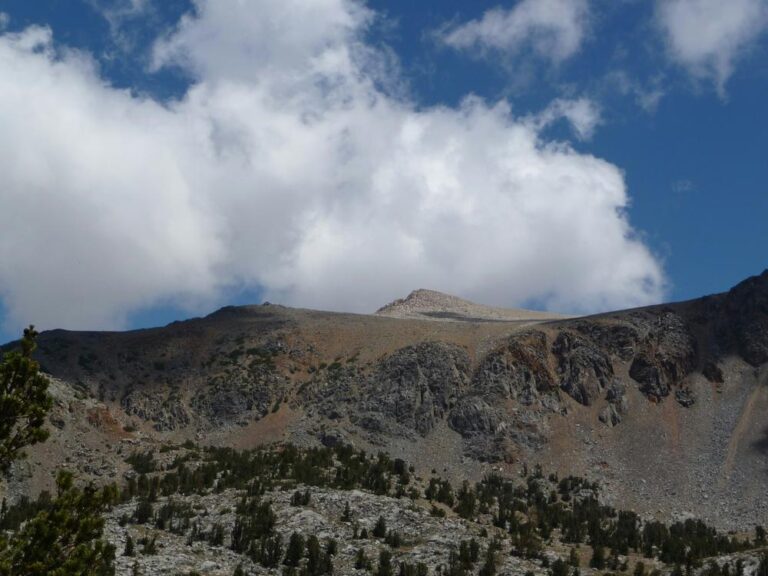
point(663, 405)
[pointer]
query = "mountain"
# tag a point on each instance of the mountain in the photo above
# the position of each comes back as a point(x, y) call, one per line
point(663, 406)
point(431, 305)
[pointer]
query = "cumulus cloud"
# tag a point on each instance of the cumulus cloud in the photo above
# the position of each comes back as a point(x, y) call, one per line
point(708, 36)
point(286, 167)
point(553, 29)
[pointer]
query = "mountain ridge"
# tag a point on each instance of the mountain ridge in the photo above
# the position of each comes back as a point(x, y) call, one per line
point(661, 404)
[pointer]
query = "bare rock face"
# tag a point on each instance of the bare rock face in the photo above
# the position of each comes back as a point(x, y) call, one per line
point(238, 392)
point(519, 370)
point(417, 385)
point(667, 356)
point(743, 322)
point(163, 408)
point(493, 434)
point(474, 415)
point(617, 339)
point(618, 405)
point(584, 369)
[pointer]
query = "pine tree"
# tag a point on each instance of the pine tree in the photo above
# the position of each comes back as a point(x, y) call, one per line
point(65, 538)
point(467, 501)
point(762, 568)
point(385, 563)
point(24, 401)
point(490, 565)
point(295, 550)
point(573, 558)
point(361, 560)
point(559, 568)
point(598, 557)
point(313, 556)
point(129, 547)
point(380, 529)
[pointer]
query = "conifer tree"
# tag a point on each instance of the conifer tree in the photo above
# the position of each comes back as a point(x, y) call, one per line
point(573, 558)
point(380, 529)
point(129, 546)
point(598, 557)
point(64, 539)
point(295, 550)
point(361, 560)
point(24, 401)
point(385, 563)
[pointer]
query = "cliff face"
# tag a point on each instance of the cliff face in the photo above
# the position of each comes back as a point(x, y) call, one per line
point(671, 394)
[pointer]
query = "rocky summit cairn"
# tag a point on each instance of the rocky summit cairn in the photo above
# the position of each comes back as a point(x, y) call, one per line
point(432, 305)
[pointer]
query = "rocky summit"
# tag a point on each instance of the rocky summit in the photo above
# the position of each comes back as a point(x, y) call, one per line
point(662, 407)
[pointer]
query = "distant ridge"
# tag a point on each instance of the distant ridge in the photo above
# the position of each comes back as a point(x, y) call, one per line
point(432, 305)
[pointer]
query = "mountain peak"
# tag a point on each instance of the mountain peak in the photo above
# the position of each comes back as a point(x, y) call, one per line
point(425, 304)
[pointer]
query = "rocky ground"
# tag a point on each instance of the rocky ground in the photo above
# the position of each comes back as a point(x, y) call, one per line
point(426, 538)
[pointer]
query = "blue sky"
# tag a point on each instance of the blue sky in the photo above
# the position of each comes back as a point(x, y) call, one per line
point(578, 155)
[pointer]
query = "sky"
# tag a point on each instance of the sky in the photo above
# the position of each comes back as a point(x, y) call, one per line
point(161, 159)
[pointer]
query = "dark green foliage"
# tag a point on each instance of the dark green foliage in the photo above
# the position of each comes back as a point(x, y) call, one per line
point(129, 546)
point(318, 562)
point(295, 550)
point(361, 560)
point(380, 529)
point(436, 512)
point(174, 517)
point(762, 568)
point(216, 536)
point(418, 569)
point(268, 551)
point(598, 558)
point(300, 498)
point(559, 568)
point(255, 520)
point(148, 546)
point(24, 401)
point(491, 563)
point(332, 547)
point(465, 506)
point(143, 512)
point(142, 462)
point(439, 490)
point(393, 539)
point(455, 566)
point(64, 538)
point(573, 558)
point(385, 563)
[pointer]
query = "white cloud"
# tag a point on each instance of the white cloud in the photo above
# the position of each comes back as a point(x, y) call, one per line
point(647, 94)
point(285, 167)
point(708, 36)
point(583, 115)
point(554, 29)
